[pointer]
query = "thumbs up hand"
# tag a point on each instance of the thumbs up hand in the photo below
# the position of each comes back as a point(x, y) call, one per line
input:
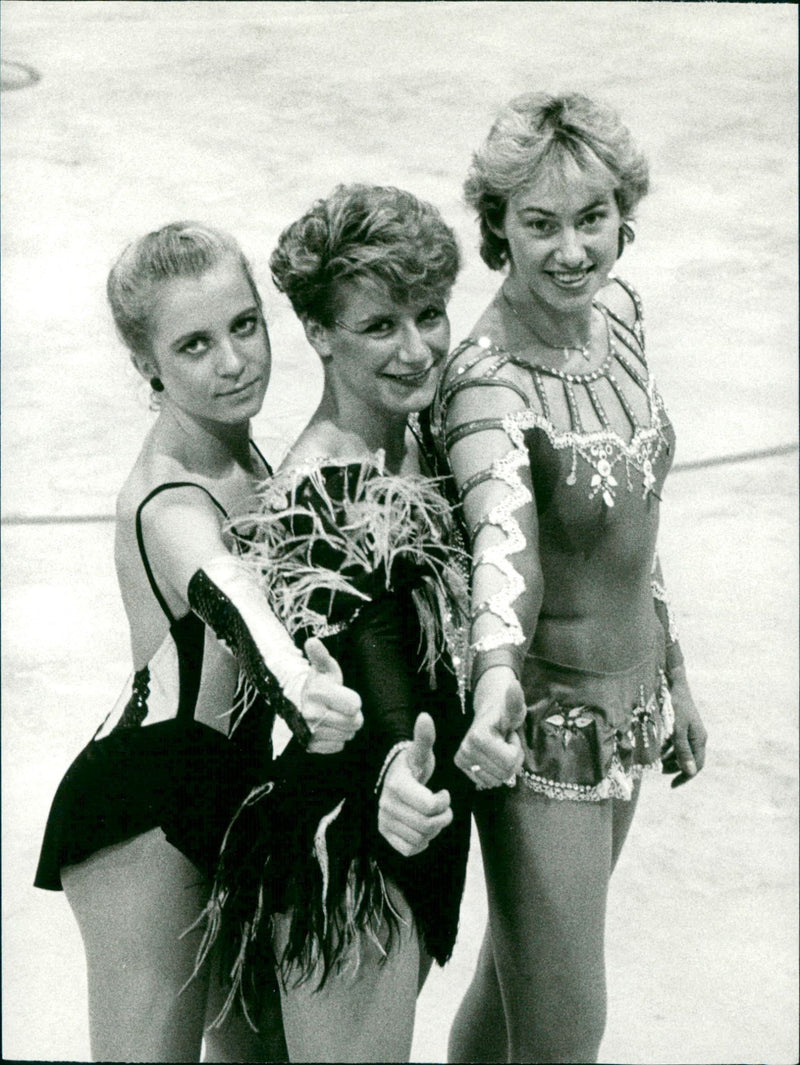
point(491, 752)
point(419, 755)
point(332, 711)
point(410, 815)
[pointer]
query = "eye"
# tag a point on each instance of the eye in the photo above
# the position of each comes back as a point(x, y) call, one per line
point(431, 316)
point(593, 218)
point(245, 326)
point(381, 327)
point(541, 227)
point(194, 346)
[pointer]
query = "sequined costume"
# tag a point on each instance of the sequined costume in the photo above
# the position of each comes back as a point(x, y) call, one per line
point(361, 559)
point(151, 763)
point(558, 480)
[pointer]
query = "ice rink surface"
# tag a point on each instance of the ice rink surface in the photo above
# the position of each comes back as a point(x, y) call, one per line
point(239, 114)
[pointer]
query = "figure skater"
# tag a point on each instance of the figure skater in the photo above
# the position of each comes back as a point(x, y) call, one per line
point(558, 443)
point(137, 822)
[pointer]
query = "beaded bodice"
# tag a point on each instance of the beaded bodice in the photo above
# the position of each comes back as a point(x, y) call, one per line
point(590, 448)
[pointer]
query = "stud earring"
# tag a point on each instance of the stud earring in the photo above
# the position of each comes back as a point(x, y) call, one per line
point(156, 384)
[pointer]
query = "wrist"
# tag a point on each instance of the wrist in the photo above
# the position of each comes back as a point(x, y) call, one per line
point(294, 684)
point(674, 659)
point(491, 690)
point(389, 761)
point(506, 658)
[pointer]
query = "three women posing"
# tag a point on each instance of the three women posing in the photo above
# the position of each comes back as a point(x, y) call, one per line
point(350, 867)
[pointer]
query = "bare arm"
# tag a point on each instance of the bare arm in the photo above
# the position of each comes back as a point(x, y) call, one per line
point(183, 534)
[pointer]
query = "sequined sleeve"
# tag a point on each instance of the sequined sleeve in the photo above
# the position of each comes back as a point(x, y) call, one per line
point(486, 454)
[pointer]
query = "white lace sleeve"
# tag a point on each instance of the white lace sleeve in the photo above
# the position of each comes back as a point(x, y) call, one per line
point(490, 465)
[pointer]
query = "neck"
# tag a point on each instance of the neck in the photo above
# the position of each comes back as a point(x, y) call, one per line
point(206, 446)
point(571, 329)
point(354, 429)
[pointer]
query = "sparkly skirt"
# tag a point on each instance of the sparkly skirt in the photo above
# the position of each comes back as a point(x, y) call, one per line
point(589, 736)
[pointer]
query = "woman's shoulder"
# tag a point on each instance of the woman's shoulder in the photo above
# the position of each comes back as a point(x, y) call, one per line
point(481, 360)
point(622, 299)
point(157, 484)
point(320, 482)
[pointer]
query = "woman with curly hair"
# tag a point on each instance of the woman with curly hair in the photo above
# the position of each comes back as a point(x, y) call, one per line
point(558, 444)
point(351, 867)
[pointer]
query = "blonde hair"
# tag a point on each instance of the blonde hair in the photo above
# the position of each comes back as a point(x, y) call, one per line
point(180, 249)
point(535, 130)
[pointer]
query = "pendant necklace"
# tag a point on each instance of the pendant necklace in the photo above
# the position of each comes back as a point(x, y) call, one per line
point(582, 349)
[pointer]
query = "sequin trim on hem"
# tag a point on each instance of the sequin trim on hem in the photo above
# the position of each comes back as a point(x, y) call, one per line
point(651, 723)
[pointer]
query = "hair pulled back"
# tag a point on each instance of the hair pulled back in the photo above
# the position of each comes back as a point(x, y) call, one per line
point(178, 250)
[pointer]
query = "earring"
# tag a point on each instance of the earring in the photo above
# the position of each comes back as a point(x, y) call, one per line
point(156, 384)
point(626, 236)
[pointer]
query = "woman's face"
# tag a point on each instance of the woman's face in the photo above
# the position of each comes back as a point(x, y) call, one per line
point(210, 345)
point(382, 353)
point(562, 231)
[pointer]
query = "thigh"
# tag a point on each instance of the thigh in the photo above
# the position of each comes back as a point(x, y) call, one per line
point(365, 1011)
point(134, 903)
point(623, 818)
point(547, 867)
point(234, 1039)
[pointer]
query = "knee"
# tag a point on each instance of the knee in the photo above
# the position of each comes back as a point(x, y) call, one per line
point(565, 1024)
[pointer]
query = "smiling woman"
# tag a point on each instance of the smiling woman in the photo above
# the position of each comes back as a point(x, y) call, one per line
point(557, 445)
point(360, 885)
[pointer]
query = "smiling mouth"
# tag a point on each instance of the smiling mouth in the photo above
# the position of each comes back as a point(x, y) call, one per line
point(410, 379)
point(570, 278)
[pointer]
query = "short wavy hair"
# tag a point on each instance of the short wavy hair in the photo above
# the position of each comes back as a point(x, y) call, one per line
point(180, 249)
point(364, 231)
point(539, 129)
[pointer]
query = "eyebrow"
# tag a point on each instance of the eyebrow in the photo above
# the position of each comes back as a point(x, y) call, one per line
point(603, 202)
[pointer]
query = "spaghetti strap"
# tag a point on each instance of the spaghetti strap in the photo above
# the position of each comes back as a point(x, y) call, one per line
point(258, 451)
point(140, 538)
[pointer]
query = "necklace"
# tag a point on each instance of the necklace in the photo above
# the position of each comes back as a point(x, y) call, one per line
point(582, 349)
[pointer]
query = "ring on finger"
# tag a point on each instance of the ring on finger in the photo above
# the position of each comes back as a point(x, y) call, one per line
point(475, 769)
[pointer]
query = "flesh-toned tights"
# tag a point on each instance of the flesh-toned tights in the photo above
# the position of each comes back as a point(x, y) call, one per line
point(363, 1013)
point(132, 902)
point(539, 991)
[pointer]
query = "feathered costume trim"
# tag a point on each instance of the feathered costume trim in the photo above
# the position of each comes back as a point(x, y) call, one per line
point(382, 528)
point(329, 539)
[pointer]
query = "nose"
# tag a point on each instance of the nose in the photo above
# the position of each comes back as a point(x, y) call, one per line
point(570, 250)
point(229, 359)
point(414, 349)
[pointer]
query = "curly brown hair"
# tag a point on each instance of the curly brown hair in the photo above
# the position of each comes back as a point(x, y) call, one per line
point(364, 231)
point(536, 129)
